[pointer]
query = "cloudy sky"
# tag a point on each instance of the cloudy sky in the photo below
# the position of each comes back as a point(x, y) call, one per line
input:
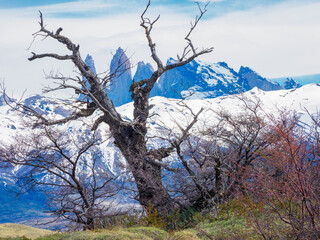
point(276, 38)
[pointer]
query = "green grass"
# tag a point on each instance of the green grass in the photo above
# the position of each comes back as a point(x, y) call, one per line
point(141, 233)
point(151, 232)
point(136, 233)
point(16, 231)
point(232, 228)
point(222, 228)
point(185, 235)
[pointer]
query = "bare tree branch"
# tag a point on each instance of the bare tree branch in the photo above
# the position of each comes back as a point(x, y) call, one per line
point(52, 55)
point(129, 136)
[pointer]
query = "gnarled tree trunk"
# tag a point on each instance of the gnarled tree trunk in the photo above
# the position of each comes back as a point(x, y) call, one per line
point(146, 165)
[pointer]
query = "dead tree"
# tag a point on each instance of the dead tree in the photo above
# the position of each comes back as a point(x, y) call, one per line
point(129, 136)
point(68, 168)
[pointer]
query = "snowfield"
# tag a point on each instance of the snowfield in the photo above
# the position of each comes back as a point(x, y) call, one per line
point(166, 116)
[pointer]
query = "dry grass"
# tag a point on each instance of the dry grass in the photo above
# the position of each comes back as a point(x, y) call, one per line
point(185, 235)
point(10, 230)
point(141, 233)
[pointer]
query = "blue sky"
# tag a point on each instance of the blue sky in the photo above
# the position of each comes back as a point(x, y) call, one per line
point(274, 37)
point(234, 3)
point(219, 7)
point(29, 3)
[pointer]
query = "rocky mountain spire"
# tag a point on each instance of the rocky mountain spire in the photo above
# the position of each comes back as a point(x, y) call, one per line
point(290, 83)
point(90, 62)
point(120, 70)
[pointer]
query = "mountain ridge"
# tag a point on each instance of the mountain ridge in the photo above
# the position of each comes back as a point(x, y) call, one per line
point(196, 80)
point(303, 79)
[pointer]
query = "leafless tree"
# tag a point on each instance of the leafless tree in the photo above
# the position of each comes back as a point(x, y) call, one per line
point(285, 187)
point(214, 162)
point(129, 136)
point(69, 168)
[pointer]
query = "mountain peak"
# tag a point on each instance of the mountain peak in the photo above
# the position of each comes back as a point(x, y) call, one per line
point(89, 58)
point(121, 78)
point(144, 71)
point(120, 51)
point(197, 78)
point(90, 62)
point(243, 70)
point(290, 83)
point(120, 62)
point(255, 80)
point(223, 64)
point(171, 61)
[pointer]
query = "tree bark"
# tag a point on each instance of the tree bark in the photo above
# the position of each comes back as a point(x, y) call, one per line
point(145, 165)
point(147, 175)
point(150, 186)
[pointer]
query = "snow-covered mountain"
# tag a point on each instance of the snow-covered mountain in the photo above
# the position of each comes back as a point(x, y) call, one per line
point(165, 110)
point(200, 80)
point(196, 80)
point(208, 85)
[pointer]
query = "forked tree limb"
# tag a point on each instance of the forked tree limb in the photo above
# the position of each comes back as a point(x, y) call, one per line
point(147, 24)
point(129, 136)
point(193, 26)
point(96, 92)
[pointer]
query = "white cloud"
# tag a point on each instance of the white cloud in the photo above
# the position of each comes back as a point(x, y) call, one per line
point(277, 41)
point(80, 6)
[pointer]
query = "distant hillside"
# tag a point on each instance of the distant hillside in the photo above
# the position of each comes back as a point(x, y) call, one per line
point(303, 80)
point(13, 209)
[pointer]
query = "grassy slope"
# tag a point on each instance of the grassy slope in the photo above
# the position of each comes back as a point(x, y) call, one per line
point(232, 228)
point(142, 233)
point(10, 230)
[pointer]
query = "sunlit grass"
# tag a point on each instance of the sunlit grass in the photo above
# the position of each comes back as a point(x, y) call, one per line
point(143, 233)
point(10, 230)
